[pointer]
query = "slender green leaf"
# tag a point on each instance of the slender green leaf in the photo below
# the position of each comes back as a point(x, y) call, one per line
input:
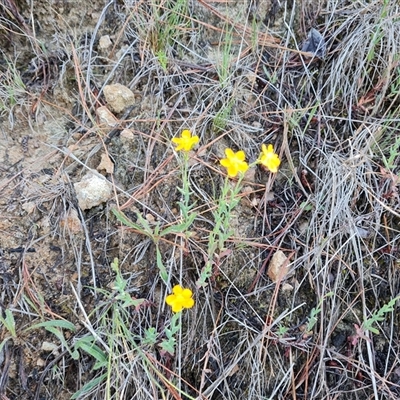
point(180, 228)
point(161, 267)
point(9, 322)
point(56, 323)
point(85, 389)
point(121, 217)
point(87, 345)
point(143, 226)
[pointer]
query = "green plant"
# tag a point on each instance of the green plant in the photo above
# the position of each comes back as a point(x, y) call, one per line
point(223, 65)
point(394, 152)
point(155, 233)
point(170, 22)
point(12, 89)
point(150, 336)
point(221, 231)
point(88, 387)
point(120, 286)
point(89, 346)
point(56, 327)
point(112, 336)
point(281, 331)
point(222, 117)
point(235, 165)
point(379, 316)
point(315, 311)
point(378, 33)
point(184, 144)
point(170, 332)
point(8, 322)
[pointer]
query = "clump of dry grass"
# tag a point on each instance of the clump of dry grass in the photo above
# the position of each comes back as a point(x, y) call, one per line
point(332, 209)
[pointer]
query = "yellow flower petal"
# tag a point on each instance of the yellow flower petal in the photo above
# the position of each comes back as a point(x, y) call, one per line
point(189, 303)
point(240, 155)
point(186, 142)
point(177, 290)
point(225, 162)
point(180, 298)
point(229, 153)
point(234, 162)
point(268, 158)
point(186, 134)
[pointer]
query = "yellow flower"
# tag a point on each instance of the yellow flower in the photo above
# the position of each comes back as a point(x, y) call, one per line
point(180, 298)
point(234, 162)
point(186, 142)
point(268, 158)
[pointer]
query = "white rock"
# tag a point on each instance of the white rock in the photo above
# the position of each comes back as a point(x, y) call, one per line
point(118, 97)
point(105, 42)
point(29, 207)
point(106, 117)
point(106, 164)
point(127, 135)
point(92, 191)
point(48, 346)
point(278, 267)
point(287, 287)
point(40, 362)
